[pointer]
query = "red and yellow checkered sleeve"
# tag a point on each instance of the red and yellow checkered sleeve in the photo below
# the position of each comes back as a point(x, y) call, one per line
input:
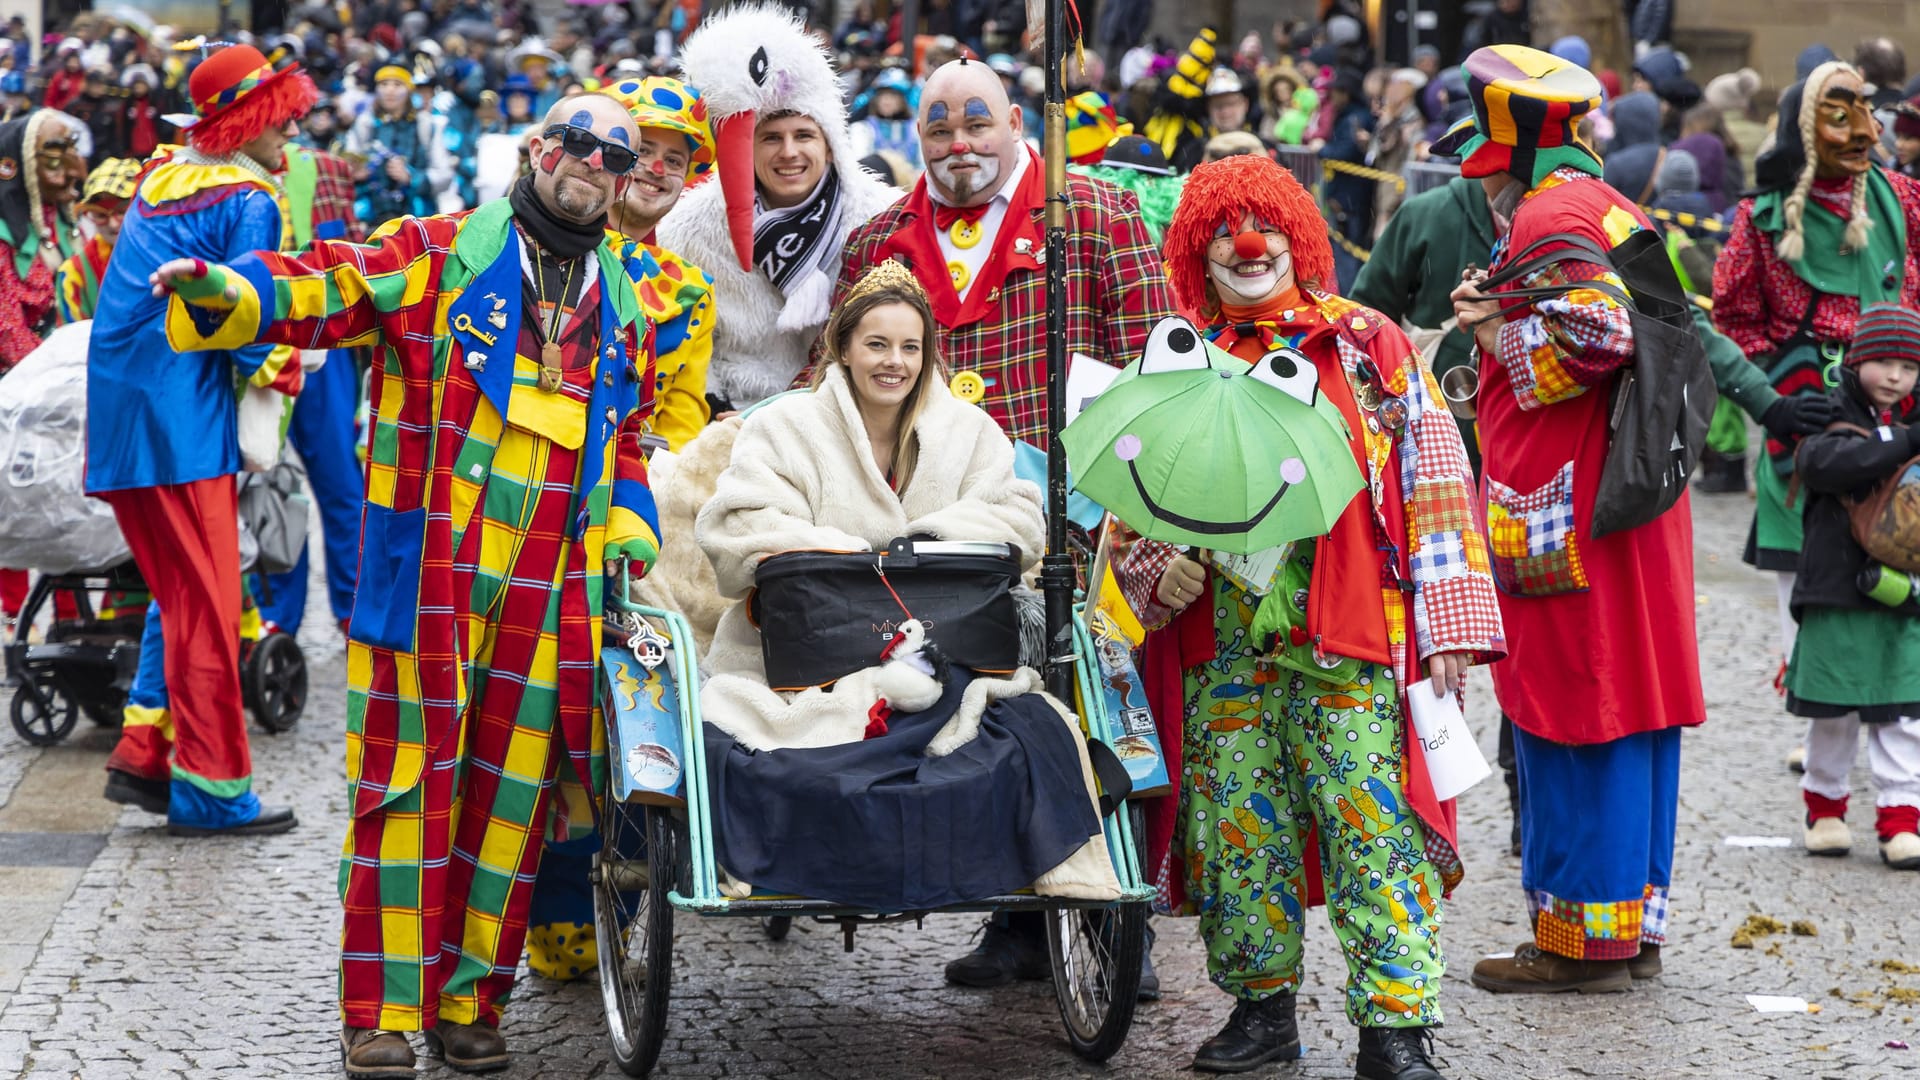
point(1133, 283)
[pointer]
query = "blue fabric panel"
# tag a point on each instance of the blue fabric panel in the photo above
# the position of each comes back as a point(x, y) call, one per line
point(1597, 821)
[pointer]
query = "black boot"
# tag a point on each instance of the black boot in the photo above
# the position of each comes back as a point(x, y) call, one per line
point(1007, 951)
point(1396, 1054)
point(1256, 1033)
point(1722, 474)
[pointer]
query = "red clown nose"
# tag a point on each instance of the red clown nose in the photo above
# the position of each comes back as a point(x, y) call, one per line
point(1250, 244)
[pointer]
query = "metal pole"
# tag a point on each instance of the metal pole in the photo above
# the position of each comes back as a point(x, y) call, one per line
point(909, 29)
point(1056, 572)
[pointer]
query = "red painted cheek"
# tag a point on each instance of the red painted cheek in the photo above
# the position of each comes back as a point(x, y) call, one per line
point(550, 160)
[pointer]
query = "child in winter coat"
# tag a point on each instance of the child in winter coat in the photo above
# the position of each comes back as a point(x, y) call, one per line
point(1857, 660)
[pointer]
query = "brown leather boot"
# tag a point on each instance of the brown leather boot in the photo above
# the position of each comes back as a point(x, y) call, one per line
point(470, 1048)
point(373, 1054)
point(1647, 964)
point(1532, 970)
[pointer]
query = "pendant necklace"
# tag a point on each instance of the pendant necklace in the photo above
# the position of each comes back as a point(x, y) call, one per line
point(550, 375)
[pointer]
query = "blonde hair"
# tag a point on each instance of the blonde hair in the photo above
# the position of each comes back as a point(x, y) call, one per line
point(838, 335)
point(1792, 244)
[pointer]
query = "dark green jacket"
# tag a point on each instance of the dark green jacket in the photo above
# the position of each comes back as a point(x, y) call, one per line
point(1740, 380)
point(1418, 260)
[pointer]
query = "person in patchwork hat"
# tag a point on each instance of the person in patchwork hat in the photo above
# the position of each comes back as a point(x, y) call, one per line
point(103, 203)
point(162, 447)
point(1855, 668)
point(1598, 755)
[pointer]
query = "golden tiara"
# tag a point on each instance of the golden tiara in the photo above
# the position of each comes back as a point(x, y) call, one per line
point(891, 274)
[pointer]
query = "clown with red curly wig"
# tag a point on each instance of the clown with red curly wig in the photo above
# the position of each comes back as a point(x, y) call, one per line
point(162, 442)
point(1283, 676)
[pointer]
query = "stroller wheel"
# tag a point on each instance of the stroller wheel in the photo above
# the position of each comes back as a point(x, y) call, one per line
point(42, 719)
point(274, 683)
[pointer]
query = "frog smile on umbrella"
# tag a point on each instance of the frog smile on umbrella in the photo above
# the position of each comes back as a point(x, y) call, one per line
point(1166, 446)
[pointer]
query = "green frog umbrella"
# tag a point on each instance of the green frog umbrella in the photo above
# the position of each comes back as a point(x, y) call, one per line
point(1191, 445)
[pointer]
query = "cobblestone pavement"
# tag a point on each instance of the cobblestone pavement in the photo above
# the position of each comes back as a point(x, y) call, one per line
point(133, 954)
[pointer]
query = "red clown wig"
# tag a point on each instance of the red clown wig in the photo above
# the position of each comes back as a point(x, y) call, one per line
point(1221, 193)
point(238, 97)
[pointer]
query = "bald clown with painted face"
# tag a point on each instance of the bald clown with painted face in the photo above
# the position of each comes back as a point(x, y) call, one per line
point(512, 382)
point(972, 232)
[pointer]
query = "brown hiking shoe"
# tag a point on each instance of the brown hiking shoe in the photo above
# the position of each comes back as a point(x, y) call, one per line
point(1647, 964)
point(471, 1048)
point(373, 1054)
point(1532, 970)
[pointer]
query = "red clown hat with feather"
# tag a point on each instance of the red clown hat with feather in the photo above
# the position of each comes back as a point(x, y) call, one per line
point(237, 96)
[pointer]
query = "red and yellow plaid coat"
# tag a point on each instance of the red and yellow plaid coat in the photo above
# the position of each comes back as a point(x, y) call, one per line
point(1116, 291)
point(422, 296)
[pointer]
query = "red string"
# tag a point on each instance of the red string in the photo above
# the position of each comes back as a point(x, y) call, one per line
point(882, 571)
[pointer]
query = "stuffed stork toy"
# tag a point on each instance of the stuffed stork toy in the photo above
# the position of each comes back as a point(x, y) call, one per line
point(774, 268)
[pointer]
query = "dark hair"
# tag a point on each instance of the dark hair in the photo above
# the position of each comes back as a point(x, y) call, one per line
point(1881, 61)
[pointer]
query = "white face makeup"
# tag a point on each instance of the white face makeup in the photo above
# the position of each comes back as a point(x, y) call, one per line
point(1245, 276)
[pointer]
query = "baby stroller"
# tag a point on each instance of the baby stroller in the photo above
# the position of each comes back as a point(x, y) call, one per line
point(89, 657)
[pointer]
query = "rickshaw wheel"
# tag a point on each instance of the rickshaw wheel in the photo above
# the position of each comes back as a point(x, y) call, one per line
point(274, 683)
point(1096, 971)
point(776, 927)
point(633, 921)
point(42, 720)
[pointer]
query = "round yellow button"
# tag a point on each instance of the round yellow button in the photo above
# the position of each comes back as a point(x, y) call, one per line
point(968, 387)
point(958, 271)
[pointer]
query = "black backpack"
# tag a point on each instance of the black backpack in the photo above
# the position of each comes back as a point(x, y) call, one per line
point(1663, 402)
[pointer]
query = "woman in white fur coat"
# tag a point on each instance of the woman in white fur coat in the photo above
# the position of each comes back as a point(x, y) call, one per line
point(999, 794)
point(771, 228)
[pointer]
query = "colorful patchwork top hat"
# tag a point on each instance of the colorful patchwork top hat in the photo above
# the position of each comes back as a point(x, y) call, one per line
point(237, 96)
point(1526, 106)
point(661, 102)
point(1091, 125)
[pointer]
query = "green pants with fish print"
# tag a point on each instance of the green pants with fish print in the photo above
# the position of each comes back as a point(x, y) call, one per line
point(1272, 758)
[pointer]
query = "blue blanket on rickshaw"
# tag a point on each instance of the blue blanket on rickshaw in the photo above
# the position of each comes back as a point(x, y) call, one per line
point(879, 824)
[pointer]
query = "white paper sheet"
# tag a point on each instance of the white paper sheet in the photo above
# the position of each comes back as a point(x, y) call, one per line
point(1454, 760)
point(1776, 1003)
point(1759, 841)
point(1087, 379)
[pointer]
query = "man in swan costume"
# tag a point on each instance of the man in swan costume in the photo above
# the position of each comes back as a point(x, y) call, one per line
point(774, 266)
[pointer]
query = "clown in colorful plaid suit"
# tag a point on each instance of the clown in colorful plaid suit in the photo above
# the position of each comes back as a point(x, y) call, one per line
point(1285, 689)
point(1603, 670)
point(972, 232)
point(504, 475)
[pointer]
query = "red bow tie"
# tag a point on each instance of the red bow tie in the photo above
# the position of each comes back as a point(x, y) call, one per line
point(944, 216)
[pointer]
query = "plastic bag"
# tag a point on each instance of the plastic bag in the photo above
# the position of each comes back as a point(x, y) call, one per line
point(47, 521)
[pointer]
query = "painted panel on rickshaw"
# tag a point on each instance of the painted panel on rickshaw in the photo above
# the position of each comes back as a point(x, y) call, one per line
point(642, 706)
point(1136, 741)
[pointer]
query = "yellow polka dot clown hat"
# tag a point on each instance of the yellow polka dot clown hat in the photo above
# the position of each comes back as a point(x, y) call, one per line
point(662, 102)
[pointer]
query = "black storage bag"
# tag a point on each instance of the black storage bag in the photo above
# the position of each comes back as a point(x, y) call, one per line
point(824, 615)
point(1663, 403)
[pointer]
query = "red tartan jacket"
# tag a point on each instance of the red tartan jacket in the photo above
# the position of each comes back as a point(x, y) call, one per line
point(1116, 291)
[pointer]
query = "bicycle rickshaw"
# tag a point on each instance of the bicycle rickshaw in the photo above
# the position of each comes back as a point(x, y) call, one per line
point(656, 856)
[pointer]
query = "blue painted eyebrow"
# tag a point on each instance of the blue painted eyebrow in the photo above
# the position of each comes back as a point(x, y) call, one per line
point(582, 119)
point(619, 135)
point(937, 111)
point(977, 107)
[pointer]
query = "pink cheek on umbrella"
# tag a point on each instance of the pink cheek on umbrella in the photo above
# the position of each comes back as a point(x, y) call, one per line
point(1127, 447)
point(1293, 470)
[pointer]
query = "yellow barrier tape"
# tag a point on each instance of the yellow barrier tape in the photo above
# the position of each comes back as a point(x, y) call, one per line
point(1685, 221)
point(1330, 167)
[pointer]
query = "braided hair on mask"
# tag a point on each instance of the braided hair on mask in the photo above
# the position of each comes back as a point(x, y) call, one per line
point(1792, 244)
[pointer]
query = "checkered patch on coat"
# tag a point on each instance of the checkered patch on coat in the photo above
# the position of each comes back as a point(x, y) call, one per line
point(1535, 551)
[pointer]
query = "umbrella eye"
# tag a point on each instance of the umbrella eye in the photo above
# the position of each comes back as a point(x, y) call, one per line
point(1290, 372)
point(1173, 345)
